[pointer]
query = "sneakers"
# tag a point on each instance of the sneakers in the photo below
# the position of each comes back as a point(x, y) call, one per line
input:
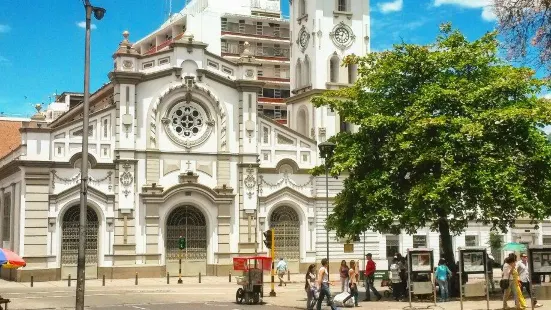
point(538, 305)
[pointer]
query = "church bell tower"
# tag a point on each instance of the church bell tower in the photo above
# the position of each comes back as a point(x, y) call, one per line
point(323, 33)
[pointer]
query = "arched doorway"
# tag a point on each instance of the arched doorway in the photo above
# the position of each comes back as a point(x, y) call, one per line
point(70, 227)
point(286, 224)
point(190, 223)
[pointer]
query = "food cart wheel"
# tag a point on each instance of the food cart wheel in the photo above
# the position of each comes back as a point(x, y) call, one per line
point(256, 298)
point(239, 296)
point(387, 294)
point(249, 297)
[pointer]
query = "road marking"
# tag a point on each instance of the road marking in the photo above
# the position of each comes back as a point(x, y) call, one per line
point(139, 307)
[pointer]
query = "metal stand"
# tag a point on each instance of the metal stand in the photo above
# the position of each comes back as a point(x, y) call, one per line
point(409, 279)
point(460, 282)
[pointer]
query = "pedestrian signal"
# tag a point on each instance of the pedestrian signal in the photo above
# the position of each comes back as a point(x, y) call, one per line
point(268, 238)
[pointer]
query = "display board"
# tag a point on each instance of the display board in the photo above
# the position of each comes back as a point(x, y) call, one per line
point(421, 260)
point(540, 259)
point(473, 259)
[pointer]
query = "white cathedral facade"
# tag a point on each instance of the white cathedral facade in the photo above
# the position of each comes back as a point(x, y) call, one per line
point(178, 148)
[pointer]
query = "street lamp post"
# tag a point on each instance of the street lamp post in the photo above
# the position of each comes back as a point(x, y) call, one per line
point(326, 152)
point(81, 262)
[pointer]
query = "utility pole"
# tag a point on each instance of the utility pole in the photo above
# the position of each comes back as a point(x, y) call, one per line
point(81, 261)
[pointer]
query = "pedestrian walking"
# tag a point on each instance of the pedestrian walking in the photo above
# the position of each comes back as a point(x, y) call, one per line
point(281, 270)
point(442, 275)
point(370, 268)
point(310, 287)
point(510, 283)
point(395, 279)
point(343, 271)
point(524, 275)
point(490, 271)
point(323, 285)
point(353, 278)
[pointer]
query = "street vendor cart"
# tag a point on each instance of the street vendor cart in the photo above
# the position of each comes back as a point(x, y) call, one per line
point(252, 280)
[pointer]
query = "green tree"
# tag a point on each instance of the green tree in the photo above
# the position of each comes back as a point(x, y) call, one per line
point(447, 135)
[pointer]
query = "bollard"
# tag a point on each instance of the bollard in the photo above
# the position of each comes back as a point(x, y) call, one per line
point(103, 280)
point(288, 276)
point(167, 278)
point(229, 276)
point(32, 281)
point(136, 282)
point(69, 280)
point(199, 277)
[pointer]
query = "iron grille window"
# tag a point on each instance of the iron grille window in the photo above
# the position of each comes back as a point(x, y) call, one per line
point(419, 241)
point(392, 245)
point(471, 241)
point(6, 236)
point(343, 5)
point(547, 240)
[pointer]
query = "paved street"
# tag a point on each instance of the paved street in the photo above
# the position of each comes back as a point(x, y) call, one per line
point(153, 294)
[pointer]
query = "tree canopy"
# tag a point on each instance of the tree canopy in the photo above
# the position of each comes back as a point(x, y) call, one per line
point(526, 29)
point(448, 134)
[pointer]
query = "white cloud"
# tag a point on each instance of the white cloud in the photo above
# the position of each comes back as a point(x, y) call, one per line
point(393, 6)
point(4, 28)
point(83, 25)
point(488, 13)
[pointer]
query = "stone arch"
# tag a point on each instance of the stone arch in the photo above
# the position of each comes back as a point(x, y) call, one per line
point(302, 121)
point(285, 221)
point(70, 226)
point(190, 222)
point(181, 91)
point(287, 161)
point(75, 160)
point(189, 67)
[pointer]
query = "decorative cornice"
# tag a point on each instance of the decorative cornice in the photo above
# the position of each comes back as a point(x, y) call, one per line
point(304, 95)
point(249, 85)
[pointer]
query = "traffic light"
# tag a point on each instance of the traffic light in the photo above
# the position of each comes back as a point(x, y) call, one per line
point(182, 243)
point(268, 238)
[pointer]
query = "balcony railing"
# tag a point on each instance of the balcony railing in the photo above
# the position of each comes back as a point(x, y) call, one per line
point(264, 51)
point(264, 32)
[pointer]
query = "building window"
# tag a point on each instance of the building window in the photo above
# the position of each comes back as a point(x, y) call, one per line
point(105, 128)
point(342, 6)
point(334, 69)
point(547, 240)
point(419, 241)
point(306, 72)
point(266, 135)
point(471, 240)
point(301, 8)
point(392, 245)
point(302, 122)
point(298, 74)
point(6, 233)
point(352, 73)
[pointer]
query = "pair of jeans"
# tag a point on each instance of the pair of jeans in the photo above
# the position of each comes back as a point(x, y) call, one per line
point(353, 293)
point(325, 292)
point(444, 291)
point(529, 290)
point(310, 299)
point(370, 286)
point(344, 284)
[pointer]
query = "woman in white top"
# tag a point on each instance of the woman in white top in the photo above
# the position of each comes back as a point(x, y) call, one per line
point(323, 285)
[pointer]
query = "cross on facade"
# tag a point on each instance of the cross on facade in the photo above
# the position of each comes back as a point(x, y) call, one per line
point(188, 163)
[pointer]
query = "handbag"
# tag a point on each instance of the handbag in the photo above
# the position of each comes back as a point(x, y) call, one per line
point(504, 283)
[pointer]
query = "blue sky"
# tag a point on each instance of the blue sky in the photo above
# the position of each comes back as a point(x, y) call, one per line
point(42, 42)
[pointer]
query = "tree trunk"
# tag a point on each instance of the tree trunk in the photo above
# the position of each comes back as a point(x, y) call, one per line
point(447, 243)
point(447, 249)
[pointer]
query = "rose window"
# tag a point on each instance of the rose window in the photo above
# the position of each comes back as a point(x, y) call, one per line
point(187, 121)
